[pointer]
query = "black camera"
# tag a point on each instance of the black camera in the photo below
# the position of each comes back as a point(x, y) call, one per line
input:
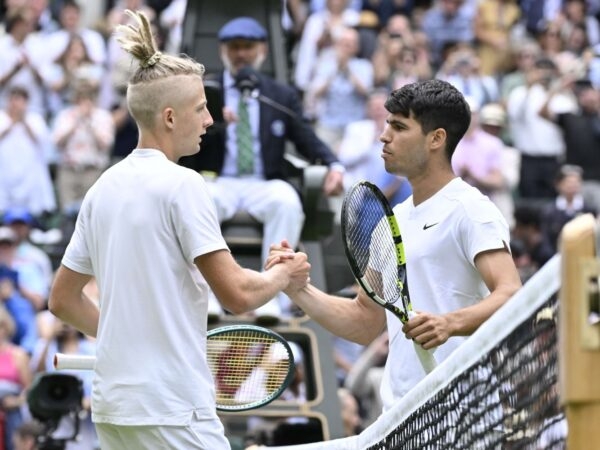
point(53, 398)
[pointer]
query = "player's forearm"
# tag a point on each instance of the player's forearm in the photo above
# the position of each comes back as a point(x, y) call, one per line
point(465, 321)
point(79, 311)
point(350, 319)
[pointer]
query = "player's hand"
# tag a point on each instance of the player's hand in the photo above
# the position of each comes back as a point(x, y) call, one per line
point(428, 330)
point(229, 115)
point(279, 253)
point(334, 183)
point(299, 271)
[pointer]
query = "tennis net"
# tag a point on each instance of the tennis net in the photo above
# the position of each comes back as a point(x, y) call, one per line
point(499, 390)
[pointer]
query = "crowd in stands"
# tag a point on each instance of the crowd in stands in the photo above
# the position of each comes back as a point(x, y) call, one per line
point(530, 70)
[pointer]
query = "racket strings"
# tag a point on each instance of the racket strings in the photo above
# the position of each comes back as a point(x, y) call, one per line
point(248, 367)
point(370, 242)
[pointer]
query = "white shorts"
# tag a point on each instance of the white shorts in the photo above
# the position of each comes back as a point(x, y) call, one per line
point(201, 434)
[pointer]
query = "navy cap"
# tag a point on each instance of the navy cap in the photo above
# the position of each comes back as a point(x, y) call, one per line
point(17, 215)
point(242, 28)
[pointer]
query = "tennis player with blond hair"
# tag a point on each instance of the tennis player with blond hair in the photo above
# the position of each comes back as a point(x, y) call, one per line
point(148, 231)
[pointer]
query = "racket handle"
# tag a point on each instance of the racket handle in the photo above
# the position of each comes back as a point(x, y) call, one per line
point(425, 356)
point(76, 362)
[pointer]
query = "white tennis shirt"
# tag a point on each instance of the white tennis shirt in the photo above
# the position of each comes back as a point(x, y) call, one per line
point(441, 238)
point(139, 229)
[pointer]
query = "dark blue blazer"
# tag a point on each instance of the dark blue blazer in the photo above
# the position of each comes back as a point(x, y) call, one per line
point(276, 128)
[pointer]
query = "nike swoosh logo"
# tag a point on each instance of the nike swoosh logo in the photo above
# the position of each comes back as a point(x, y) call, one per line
point(430, 225)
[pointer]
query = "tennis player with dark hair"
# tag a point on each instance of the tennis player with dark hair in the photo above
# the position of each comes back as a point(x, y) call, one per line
point(459, 268)
point(148, 231)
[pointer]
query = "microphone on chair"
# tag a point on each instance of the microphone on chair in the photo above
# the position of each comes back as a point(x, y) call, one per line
point(247, 81)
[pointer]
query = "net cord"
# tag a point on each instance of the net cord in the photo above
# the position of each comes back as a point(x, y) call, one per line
point(543, 284)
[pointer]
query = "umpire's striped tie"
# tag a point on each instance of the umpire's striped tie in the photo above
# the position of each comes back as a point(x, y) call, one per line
point(245, 152)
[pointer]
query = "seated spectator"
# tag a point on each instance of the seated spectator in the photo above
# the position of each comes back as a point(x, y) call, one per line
point(243, 152)
point(21, 222)
point(28, 435)
point(15, 378)
point(16, 291)
point(569, 203)
point(350, 412)
point(364, 379)
point(528, 229)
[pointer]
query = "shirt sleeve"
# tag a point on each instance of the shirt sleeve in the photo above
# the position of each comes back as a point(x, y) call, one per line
point(194, 216)
point(484, 229)
point(77, 255)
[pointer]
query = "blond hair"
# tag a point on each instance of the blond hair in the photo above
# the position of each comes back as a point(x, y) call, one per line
point(152, 84)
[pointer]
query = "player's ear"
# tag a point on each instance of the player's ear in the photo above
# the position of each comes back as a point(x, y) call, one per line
point(437, 139)
point(168, 118)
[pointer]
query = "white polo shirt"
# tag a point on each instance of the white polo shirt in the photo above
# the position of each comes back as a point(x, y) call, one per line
point(441, 238)
point(139, 229)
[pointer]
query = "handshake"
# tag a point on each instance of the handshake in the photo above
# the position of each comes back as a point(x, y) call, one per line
point(295, 263)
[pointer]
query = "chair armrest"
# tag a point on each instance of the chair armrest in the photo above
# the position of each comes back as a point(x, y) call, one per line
point(319, 216)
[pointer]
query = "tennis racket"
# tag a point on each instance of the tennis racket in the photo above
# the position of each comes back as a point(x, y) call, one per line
point(375, 252)
point(251, 365)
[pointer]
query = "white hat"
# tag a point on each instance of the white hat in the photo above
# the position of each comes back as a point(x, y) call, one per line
point(492, 114)
point(7, 235)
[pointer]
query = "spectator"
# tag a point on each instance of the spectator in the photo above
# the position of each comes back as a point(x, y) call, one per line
point(22, 54)
point(360, 151)
point(340, 87)
point(462, 69)
point(540, 141)
point(71, 24)
point(575, 14)
point(62, 74)
point(20, 309)
point(24, 172)
point(528, 230)
point(492, 118)
point(493, 26)
point(447, 23)
point(262, 191)
point(478, 158)
point(83, 135)
point(350, 412)
point(364, 379)
point(27, 436)
point(319, 30)
point(28, 280)
point(581, 131)
point(15, 378)
point(171, 19)
point(525, 52)
point(21, 222)
point(568, 204)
